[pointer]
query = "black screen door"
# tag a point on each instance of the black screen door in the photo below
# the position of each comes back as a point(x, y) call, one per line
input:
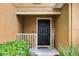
point(43, 32)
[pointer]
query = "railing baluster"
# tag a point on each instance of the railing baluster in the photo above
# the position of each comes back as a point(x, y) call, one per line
point(32, 38)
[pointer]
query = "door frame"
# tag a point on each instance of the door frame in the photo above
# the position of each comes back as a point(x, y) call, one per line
point(40, 18)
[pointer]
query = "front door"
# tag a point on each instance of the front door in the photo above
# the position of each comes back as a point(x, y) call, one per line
point(43, 32)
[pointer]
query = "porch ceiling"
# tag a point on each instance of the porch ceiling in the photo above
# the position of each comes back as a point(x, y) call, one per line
point(38, 8)
point(33, 5)
point(38, 5)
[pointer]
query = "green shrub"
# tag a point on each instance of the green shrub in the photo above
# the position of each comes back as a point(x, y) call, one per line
point(70, 51)
point(15, 48)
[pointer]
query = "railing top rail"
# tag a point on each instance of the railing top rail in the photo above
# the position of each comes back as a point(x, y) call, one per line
point(26, 34)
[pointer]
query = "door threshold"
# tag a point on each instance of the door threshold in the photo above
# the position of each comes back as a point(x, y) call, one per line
point(43, 46)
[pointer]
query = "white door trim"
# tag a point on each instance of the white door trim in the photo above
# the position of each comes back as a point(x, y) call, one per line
point(39, 18)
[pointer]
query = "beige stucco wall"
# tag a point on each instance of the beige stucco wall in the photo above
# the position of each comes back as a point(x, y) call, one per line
point(30, 22)
point(75, 24)
point(9, 25)
point(61, 28)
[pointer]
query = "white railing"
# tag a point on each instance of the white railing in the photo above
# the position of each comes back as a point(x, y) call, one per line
point(31, 37)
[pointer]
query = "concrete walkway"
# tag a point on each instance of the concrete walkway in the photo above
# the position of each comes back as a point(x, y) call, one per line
point(44, 51)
